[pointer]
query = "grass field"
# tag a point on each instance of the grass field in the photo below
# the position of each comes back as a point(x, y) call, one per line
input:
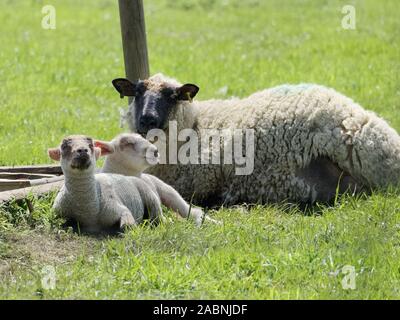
point(58, 82)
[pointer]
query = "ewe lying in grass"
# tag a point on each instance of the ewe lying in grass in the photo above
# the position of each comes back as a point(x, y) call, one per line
point(130, 154)
point(99, 202)
point(309, 141)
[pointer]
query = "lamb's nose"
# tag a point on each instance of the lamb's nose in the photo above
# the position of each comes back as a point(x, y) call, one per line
point(156, 153)
point(82, 151)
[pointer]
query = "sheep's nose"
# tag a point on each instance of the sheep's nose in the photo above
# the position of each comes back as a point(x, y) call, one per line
point(148, 121)
point(156, 154)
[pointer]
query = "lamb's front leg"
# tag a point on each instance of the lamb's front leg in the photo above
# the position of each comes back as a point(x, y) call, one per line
point(126, 218)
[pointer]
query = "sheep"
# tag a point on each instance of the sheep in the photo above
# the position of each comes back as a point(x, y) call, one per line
point(309, 142)
point(132, 155)
point(99, 202)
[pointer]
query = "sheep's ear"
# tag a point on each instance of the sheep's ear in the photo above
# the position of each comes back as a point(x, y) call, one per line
point(106, 148)
point(54, 153)
point(187, 92)
point(124, 87)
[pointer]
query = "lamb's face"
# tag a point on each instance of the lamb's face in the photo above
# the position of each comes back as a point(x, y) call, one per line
point(134, 152)
point(155, 100)
point(76, 154)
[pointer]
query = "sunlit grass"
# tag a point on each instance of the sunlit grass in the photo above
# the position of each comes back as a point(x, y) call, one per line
point(58, 82)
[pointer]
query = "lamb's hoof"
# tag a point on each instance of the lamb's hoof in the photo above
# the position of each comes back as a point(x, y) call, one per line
point(200, 217)
point(197, 215)
point(126, 222)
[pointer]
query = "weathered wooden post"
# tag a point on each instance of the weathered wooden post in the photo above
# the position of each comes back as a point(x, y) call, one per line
point(134, 44)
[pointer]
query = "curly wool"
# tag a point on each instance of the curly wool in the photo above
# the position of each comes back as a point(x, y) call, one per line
point(293, 124)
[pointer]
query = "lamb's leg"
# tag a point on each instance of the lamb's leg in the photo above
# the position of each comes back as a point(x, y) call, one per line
point(173, 200)
point(126, 218)
point(152, 206)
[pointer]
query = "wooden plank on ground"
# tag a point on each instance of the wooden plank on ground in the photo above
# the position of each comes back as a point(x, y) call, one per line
point(38, 182)
point(24, 175)
point(44, 169)
point(10, 184)
point(11, 180)
point(20, 194)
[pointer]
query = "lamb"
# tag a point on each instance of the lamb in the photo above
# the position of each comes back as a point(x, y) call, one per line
point(99, 202)
point(309, 141)
point(132, 155)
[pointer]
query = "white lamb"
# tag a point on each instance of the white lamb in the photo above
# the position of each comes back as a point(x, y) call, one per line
point(130, 154)
point(99, 202)
point(309, 141)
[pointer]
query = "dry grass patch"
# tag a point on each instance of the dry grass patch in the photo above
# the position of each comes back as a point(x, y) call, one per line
point(24, 249)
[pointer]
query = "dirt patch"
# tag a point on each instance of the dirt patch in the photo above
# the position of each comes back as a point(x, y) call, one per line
point(26, 248)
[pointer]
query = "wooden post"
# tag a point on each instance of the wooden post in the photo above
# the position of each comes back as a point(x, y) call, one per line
point(134, 39)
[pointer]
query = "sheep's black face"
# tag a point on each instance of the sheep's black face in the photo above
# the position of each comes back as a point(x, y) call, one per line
point(154, 102)
point(152, 107)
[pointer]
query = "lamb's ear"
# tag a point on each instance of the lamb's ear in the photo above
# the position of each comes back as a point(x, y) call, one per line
point(187, 92)
point(124, 87)
point(105, 147)
point(54, 153)
point(97, 152)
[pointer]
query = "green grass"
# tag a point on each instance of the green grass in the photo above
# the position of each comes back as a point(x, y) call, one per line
point(57, 82)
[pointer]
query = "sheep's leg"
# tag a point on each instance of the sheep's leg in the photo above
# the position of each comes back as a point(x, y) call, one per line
point(325, 178)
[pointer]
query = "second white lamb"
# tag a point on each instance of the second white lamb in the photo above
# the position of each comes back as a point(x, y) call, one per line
point(130, 154)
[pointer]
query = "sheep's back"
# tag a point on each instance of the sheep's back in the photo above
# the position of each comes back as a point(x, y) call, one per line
point(292, 124)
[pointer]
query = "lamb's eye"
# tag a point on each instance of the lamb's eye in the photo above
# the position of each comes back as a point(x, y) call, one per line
point(132, 145)
point(126, 145)
point(65, 144)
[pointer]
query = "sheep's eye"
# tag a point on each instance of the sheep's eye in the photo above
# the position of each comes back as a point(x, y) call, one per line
point(167, 92)
point(91, 146)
